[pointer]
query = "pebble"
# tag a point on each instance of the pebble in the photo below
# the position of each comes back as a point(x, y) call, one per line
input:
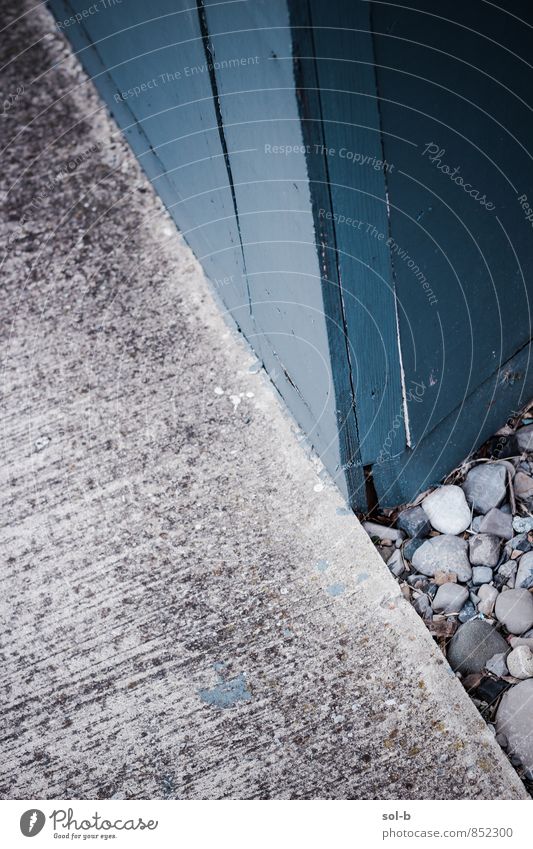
point(497, 665)
point(422, 605)
point(523, 524)
point(519, 543)
point(524, 575)
point(507, 573)
point(523, 486)
point(514, 722)
point(395, 563)
point(497, 522)
point(411, 546)
point(515, 609)
point(485, 486)
point(481, 575)
point(487, 599)
point(476, 522)
point(450, 598)
point(484, 550)
point(418, 582)
point(524, 438)
point(447, 510)
point(520, 662)
point(414, 522)
point(521, 641)
point(382, 531)
point(473, 645)
point(467, 612)
point(445, 553)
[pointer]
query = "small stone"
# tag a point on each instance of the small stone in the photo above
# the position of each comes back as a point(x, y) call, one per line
point(450, 598)
point(519, 543)
point(490, 689)
point(514, 722)
point(506, 574)
point(515, 609)
point(422, 605)
point(523, 524)
point(523, 486)
point(484, 550)
point(520, 662)
point(418, 582)
point(487, 599)
point(468, 611)
point(447, 510)
point(432, 591)
point(505, 508)
point(445, 553)
point(474, 643)
point(414, 522)
point(476, 522)
point(411, 546)
point(382, 532)
point(524, 575)
point(386, 552)
point(497, 522)
point(521, 641)
point(396, 564)
point(485, 486)
point(497, 665)
point(524, 438)
point(481, 575)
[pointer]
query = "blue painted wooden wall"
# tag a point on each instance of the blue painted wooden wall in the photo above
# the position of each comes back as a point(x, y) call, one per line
point(298, 146)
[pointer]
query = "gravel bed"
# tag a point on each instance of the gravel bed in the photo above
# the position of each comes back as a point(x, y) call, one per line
point(463, 556)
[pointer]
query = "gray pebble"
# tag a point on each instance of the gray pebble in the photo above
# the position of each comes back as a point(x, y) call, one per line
point(481, 575)
point(485, 486)
point(497, 522)
point(515, 609)
point(450, 598)
point(468, 611)
point(422, 605)
point(514, 722)
point(488, 596)
point(473, 644)
point(447, 509)
point(445, 553)
point(524, 575)
point(523, 524)
point(411, 546)
point(484, 550)
point(497, 665)
point(414, 522)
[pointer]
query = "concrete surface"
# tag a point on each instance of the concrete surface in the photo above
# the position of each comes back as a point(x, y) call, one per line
point(188, 611)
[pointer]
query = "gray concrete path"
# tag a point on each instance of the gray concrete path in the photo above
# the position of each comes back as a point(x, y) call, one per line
point(188, 611)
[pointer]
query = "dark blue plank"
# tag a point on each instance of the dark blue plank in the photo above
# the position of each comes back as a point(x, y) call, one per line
point(455, 80)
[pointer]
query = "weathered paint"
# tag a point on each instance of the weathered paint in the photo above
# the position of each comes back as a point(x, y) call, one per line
point(227, 694)
point(391, 337)
point(202, 137)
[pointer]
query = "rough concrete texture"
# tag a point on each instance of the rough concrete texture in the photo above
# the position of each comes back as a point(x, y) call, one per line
point(188, 610)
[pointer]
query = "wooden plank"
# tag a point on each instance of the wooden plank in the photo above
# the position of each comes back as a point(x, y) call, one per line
point(456, 83)
point(399, 479)
point(256, 91)
point(356, 176)
point(170, 75)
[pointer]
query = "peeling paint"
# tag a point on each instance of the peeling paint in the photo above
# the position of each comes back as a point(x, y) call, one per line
point(335, 589)
point(226, 694)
